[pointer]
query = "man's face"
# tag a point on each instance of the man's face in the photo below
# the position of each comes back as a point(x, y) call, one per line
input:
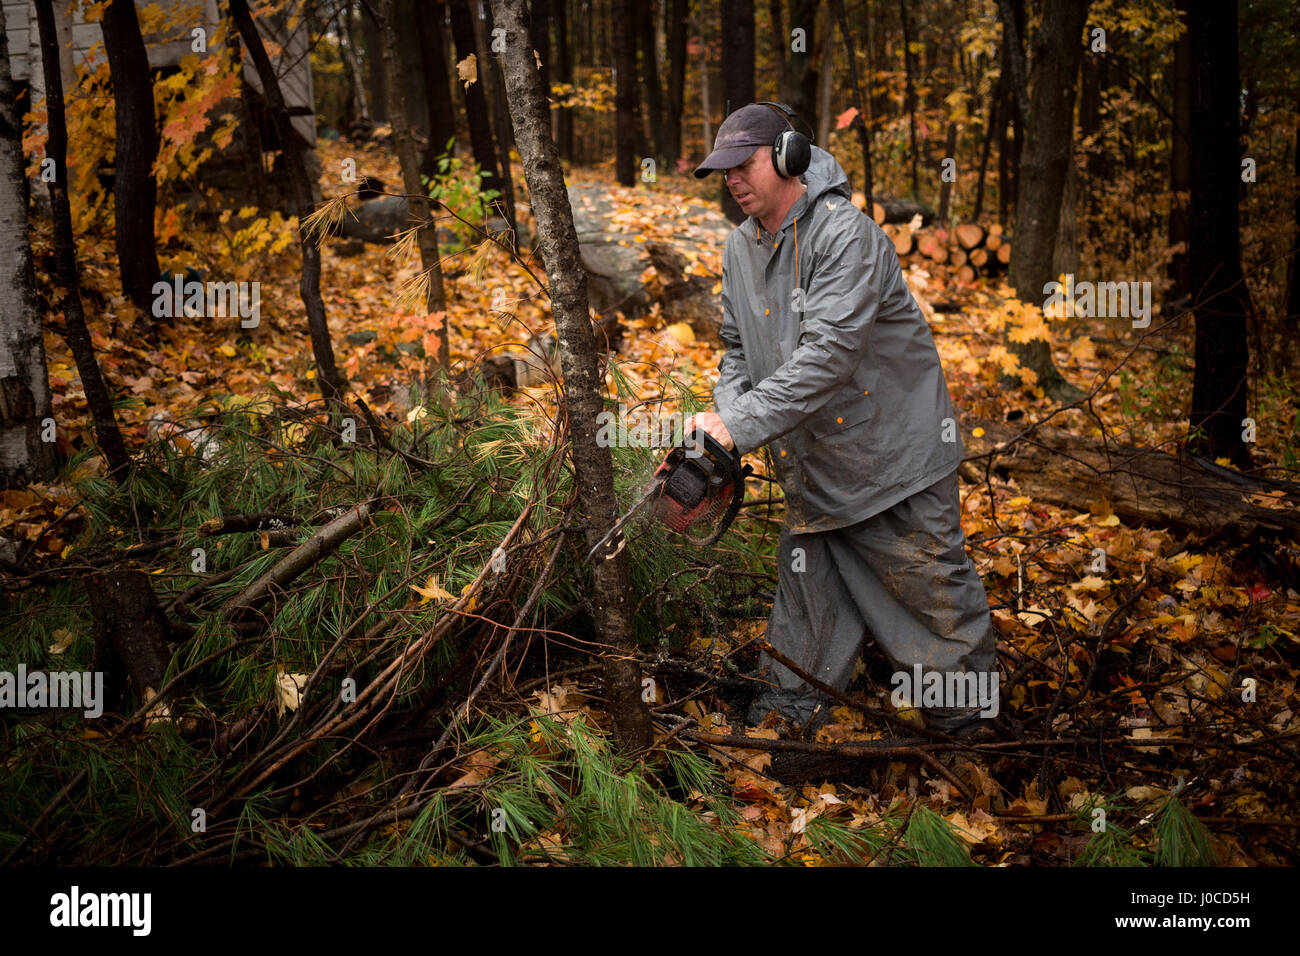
point(755, 183)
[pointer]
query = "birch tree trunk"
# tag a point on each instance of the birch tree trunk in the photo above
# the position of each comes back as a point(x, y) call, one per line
point(593, 467)
point(24, 383)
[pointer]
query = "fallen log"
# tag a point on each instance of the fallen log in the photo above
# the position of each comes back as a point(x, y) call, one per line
point(899, 210)
point(1182, 492)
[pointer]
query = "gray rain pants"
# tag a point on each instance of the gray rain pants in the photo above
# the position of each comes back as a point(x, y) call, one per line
point(902, 574)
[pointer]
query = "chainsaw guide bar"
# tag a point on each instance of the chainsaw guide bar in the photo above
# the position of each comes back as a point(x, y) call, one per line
point(699, 481)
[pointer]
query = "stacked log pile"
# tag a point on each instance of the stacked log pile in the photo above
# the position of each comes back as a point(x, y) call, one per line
point(970, 251)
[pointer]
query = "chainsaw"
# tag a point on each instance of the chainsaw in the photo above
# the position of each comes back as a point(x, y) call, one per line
point(699, 482)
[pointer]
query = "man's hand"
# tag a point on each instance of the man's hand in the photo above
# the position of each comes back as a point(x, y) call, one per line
point(714, 425)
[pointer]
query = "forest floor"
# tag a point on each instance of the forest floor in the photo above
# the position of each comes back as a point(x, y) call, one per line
point(1189, 625)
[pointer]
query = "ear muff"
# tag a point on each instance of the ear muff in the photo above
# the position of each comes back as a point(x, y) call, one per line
point(791, 153)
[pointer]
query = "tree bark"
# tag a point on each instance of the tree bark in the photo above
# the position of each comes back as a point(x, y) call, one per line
point(98, 400)
point(564, 74)
point(1222, 302)
point(678, 16)
point(650, 77)
point(780, 43)
point(505, 132)
point(990, 133)
point(408, 158)
point(737, 78)
point(593, 467)
point(945, 188)
point(1043, 170)
point(1015, 105)
point(375, 68)
point(859, 121)
point(540, 30)
point(360, 100)
point(24, 381)
point(436, 71)
point(625, 120)
point(1180, 168)
point(416, 85)
point(1293, 286)
point(802, 75)
point(129, 627)
point(909, 96)
point(327, 374)
point(135, 193)
point(476, 108)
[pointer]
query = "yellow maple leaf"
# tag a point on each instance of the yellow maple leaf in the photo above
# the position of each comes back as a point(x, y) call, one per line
point(432, 591)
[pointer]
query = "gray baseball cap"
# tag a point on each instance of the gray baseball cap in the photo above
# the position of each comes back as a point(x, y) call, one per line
point(740, 134)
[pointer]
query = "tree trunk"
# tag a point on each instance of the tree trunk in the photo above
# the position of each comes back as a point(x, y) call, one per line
point(1180, 168)
point(135, 193)
point(433, 58)
point(129, 627)
point(1222, 302)
point(1065, 257)
point(826, 82)
point(24, 382)
point(625, 121)
point(375, 67)
point(593, 467)
point(706, 105)
point(1015, 106)
point(945, 188)
point(476, 108)
point(540, 29)
point(650, 77)
point(859, 121)
point(410, 55)
point(780, 43)
point(1043, 169)
point(737, 78)
point(909, 97)
point(990, 128)
point(416, 196)
point(360, 101)
point(65, 250)
point(802, 75)
point(1293, 286)
point(678, 16)
point(505, 133)
point(293, 148)
point(564, 74)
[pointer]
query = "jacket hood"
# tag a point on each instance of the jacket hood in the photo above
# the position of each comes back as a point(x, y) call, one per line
point(825, 175)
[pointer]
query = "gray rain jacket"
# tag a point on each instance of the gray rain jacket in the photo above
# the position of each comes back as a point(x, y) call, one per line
point(852, 399)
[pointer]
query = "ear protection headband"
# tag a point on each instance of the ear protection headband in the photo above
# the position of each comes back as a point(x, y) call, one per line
point(791, 153)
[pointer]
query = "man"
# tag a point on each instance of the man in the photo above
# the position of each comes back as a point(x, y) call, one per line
point(830, 363)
